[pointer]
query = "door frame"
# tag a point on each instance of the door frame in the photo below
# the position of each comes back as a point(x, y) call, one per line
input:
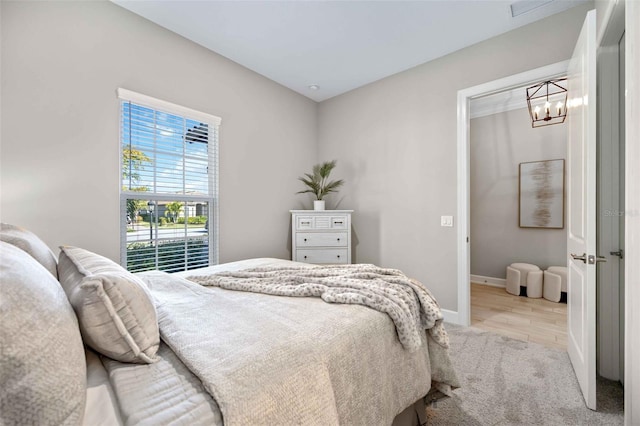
point(632, 214)
point(609, 140)
point(463, 316)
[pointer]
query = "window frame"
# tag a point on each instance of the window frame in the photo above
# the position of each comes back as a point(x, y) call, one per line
point(212, 200)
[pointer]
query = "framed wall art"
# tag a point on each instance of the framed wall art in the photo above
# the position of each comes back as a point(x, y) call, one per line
point(542, 194)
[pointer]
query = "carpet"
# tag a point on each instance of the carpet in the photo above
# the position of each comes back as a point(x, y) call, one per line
point(510, 382)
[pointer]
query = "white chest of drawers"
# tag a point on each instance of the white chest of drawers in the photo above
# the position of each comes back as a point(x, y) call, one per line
point(321, 236)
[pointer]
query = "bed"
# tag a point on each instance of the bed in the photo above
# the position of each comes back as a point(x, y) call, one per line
point(201, 354)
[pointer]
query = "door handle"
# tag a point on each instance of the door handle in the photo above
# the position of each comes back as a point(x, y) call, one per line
point(592, 260)
point(583, 257)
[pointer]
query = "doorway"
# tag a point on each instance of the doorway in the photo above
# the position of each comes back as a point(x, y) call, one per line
point(502, 140)
point(464, 99)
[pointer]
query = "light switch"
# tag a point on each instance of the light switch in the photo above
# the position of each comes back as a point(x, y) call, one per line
point(446, 221)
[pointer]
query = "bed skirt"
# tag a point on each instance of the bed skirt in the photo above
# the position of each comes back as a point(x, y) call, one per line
point(413, 415)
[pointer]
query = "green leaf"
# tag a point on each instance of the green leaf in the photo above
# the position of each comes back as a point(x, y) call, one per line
point(317, 180)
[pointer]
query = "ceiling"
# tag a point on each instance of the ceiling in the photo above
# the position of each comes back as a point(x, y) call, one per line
point(338, 45)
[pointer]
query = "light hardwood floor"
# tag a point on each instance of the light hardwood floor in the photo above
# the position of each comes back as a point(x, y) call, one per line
point(532, 320)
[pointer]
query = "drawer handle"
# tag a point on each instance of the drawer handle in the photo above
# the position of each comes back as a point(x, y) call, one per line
point(338, 239)
point(305, 223)
point(305, 240)
point(338, 223)
point(338, 256)
point(305, 257)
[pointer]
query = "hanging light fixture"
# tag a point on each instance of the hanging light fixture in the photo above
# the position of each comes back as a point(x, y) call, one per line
point(547, 102)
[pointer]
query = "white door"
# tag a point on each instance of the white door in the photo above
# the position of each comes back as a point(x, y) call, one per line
point(581, 210)
point(621, 208)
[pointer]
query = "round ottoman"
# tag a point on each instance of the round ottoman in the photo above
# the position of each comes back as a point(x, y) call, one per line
point(524, 275)
point(555, 283)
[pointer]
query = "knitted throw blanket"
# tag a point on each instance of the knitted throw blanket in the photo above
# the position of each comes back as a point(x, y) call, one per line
point(407, 302)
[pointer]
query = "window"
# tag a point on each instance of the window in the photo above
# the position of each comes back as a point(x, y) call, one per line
point(169, 189)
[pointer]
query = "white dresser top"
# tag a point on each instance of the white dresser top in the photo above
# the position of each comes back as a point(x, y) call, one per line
point(320, 211)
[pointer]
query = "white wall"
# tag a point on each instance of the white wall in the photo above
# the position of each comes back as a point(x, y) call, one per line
point(61, 65)
point(396, 140)
point(499, 143)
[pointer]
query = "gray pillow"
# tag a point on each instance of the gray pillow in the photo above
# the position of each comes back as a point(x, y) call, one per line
point(29, 242)
point(116, 312)
point(42, 362)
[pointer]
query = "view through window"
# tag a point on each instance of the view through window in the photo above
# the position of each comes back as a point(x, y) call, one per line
point(169, 185)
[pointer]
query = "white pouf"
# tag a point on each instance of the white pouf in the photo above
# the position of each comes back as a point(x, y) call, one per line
point(524, 275)
point(555, 283)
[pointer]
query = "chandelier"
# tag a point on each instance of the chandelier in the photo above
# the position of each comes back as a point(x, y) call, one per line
point(547, 102)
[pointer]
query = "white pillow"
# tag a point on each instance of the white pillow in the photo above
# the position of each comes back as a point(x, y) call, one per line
point(29, 242)
point(42, 363)
point(116, 312)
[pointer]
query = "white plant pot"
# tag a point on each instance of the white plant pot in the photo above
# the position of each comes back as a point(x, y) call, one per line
point(318, 204)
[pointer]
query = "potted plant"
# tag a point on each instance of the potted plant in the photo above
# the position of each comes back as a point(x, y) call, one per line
point(318, 183)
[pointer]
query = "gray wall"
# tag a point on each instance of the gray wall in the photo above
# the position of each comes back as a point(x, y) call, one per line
point(61, 65)
point(499, 143)
point(396, 141)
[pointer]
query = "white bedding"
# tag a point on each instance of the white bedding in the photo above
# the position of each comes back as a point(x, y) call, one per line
point(162, 393)
point(101, 408)
point(238, 266)
point(271, 360)
point(407, 302)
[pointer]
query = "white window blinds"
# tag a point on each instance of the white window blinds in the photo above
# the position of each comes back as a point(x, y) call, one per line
point(169, 184)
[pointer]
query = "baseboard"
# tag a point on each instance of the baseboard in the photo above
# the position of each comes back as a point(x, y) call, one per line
point(450, 316)
point(490, 281)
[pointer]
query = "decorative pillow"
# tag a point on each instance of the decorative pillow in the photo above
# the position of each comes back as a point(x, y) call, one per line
point(116, 312)
point(29, 242)
point(42, 362)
